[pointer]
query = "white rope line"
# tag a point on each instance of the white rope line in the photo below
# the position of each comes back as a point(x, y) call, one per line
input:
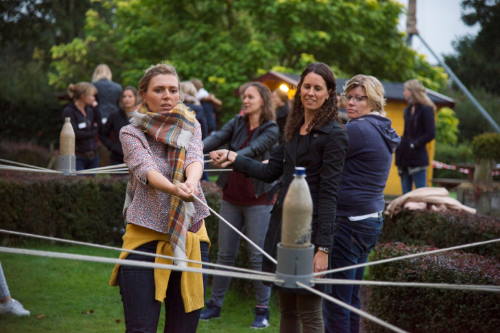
point(217, 170)
point(117, 166)
point(100, 171)
point(14, 168)
point(409, 284)
point(136, 263)
point(24, 165)
point(205, 155)
point(235, 229)
point(207, 161)
point(62, 240)
point(383, 261)
point(353, 309)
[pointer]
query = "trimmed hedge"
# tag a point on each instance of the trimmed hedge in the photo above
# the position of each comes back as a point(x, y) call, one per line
point(443, 229)
point(85, 209)
point(434, 310)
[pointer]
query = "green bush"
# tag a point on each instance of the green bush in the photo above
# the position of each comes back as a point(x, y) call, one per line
point(85, 209)
point(452, 154)
point(443, 230)
point(28, 153)
point(434, 310)
point(487, 145)
point(447, 126)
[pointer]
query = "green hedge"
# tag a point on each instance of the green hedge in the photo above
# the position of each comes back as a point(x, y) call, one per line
point(434, 310)
point(443, 230)
point(85, 209)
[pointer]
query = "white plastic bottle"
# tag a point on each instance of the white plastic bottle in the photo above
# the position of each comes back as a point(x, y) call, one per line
point(297, 213)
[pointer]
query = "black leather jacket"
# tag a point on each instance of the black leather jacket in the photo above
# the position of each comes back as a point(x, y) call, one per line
point(323, 157)
point(258, 148)
point(84, 126)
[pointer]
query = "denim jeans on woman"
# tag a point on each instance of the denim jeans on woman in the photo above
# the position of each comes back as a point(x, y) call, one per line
point(352, 243)
point(4, 289)
point(142, 310)
point(254, 221)
point(407, 180)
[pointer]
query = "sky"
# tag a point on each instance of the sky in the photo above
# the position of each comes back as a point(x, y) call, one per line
point(439, 23)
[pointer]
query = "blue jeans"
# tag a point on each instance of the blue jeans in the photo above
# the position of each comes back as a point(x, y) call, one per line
point(4, 289)
point(419, 178)
point(254, 220)
point(84, 163)
point(352, 243)
point(142, 311)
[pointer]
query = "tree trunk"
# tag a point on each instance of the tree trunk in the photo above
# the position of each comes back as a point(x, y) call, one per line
point(484, 168)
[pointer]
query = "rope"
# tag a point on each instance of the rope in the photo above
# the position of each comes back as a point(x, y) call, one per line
point(14, 168)
point(117, 166)
point(129, 251)
point(409, 284)
point(237, 231)
point(415, 255)
point(217, 170)
point(353, 309)
point(135, 263)
point(25, 165)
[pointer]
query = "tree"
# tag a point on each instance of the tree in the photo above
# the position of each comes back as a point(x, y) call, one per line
point(477, 62)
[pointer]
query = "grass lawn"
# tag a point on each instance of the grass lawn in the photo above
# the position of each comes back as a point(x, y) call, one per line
point(62, 289)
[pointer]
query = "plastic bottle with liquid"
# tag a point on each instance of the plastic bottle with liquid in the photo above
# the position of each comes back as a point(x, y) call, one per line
point(67, 139)
point(297, 213)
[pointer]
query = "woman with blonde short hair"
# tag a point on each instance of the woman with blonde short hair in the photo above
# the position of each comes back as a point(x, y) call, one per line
point(412, 158)
point(86, 121)
point(108, 92)
point(360, 196)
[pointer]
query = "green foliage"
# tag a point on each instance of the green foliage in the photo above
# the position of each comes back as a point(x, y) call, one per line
point(477, 62)
point(472, 123)
point(446, 127)
point(443, 230)
point(452, 154)
point(487, 145)
point(434, 310)
point(226, 43)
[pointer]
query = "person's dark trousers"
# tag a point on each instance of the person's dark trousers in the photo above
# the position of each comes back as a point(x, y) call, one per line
point(142, 311)
point(85, 163)
point(352, 243)
point(113, 161)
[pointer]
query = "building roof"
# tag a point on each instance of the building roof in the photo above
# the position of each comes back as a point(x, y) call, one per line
point(393, 90)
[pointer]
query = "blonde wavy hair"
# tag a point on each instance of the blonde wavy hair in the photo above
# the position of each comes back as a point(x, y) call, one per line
point(418, 93)
point(75, 91)
point(102, 72)
point(373, 88)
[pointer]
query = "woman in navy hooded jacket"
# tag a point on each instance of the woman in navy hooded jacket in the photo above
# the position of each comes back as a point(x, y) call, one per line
point(360, 196)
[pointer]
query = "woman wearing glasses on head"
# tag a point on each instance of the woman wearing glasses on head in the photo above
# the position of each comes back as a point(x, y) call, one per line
point(360, 196)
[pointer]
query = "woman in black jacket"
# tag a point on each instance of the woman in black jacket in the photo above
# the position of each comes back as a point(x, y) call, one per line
point(314, 140)
point(128, 101)
point(86, 121)
point(412, 159)
point(108, 92)
point(244, 200)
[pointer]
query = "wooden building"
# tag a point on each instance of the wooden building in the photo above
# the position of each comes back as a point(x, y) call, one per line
point(395, 106)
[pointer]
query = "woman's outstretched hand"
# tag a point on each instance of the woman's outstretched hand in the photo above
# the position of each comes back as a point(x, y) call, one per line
point(220, 158)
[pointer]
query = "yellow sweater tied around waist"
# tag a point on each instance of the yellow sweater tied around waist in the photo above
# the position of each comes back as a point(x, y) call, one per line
point(191, 283)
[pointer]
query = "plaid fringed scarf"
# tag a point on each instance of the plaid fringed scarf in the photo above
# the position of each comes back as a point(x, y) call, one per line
point(174, 128)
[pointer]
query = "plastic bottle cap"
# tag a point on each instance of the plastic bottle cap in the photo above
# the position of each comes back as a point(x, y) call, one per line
point(300, 171)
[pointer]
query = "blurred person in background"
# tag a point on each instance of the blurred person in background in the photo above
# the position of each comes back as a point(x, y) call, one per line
point(108, 92)
point(412, 158)
point(244, 199)
point(360, 195)
point(189, 91)
point(210, 104)
point(86, 121)
point(280, 99)
point(110, 134)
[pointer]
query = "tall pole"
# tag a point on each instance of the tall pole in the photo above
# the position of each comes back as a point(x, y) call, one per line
point(411, 29)
point(463, 88)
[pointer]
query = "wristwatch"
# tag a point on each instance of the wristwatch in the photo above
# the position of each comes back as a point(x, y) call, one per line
point(323, 249)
